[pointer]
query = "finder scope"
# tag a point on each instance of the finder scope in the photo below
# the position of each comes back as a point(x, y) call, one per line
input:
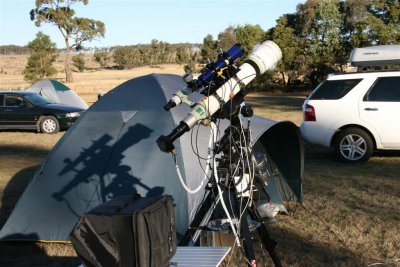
point(209, 73)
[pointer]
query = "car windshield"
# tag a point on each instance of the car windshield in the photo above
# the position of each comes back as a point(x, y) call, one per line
point(37, 99)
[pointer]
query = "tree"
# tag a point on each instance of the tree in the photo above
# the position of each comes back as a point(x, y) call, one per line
point(306, 16)
point(157, 52)
point(209, 51)
point(227, 38)
point(13, 50)
point(125, 57)
point(182, 56)
point(326, 33)
point(79, 30)
point(190, 67)
point(370, 22)
point(40, 62)
point(248, 36)
point(79, 62)
point(292, 65)
point(101, 57)
point(320, 24)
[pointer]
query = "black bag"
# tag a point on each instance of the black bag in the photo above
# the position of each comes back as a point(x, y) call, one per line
point(127, 231)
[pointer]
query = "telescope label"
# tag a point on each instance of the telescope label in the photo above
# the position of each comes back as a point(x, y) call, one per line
point(200, 110)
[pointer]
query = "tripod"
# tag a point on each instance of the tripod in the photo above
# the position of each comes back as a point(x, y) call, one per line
point(241, 203)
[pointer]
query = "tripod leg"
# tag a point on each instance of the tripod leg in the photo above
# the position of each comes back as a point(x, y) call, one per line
point(269, 244)
point(247, 241)
point(266, 239)
point(200, 219)
point(244, 231)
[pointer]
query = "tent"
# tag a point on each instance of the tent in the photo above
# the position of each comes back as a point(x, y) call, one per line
point(57, 93)
point(111, 151)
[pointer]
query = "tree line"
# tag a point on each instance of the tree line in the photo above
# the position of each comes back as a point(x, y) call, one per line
point(155, 53)
point(14, 50)
point(315, 40)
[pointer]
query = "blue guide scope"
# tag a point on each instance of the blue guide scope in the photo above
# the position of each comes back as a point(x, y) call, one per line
point(224, 59)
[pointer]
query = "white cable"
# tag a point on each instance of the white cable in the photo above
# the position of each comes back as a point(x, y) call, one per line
point(178, 172)
point(214, 130)
point(383, 263)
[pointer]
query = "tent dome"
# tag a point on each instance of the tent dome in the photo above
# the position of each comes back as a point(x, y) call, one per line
point(57, 93)
point(111, 151)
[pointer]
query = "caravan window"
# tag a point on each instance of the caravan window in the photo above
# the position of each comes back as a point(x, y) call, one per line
point(1, 100)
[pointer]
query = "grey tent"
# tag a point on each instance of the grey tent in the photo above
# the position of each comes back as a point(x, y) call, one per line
point(57, 93)
point(111, 151)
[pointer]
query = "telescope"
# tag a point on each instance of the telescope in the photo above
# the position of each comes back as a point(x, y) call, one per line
point(208, 77)
point(220, 89)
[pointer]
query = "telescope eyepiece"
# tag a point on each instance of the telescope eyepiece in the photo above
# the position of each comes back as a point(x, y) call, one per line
point(169, 105)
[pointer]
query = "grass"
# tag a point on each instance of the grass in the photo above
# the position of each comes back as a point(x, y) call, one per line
point(357, 206)
point(20, 155)
point(350, 215)
point(88, 83)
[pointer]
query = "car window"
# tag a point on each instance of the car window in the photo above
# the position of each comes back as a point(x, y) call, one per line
point(334, 89)
point(14, 101)
point(37, 99)
point(1, 100)
point(385, 89)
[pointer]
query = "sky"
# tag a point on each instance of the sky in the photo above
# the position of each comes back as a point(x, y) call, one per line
point(131, 22)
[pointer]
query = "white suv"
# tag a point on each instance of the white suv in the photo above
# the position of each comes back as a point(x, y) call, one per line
point(355, 113)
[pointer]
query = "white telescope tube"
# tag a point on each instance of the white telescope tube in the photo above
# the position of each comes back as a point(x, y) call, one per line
point(264, 57)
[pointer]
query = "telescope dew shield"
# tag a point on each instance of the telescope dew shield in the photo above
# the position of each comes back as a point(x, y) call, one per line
point(265, 56)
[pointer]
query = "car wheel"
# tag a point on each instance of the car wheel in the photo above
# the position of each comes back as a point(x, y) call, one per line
point(49, 124)
point(353, 145)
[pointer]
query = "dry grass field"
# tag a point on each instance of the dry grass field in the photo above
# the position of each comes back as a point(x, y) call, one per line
point(350, 215)
point(90, 82)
